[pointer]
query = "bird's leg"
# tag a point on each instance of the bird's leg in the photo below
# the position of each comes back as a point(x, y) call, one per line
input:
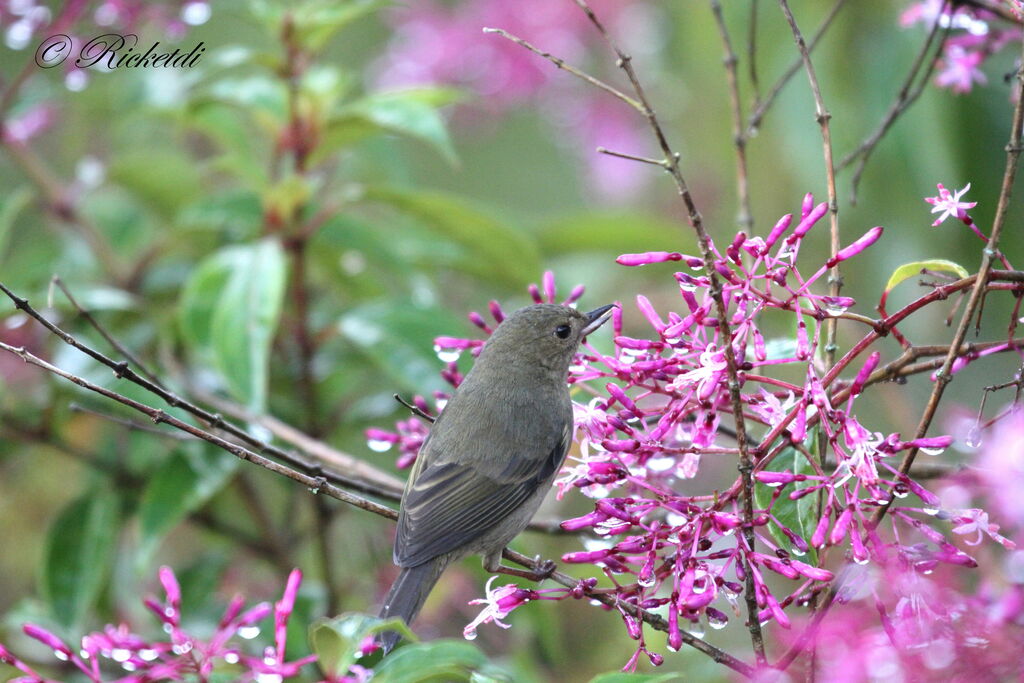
point(542, 569)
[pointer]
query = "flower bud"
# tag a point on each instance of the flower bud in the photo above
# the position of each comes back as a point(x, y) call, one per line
point(780, 227)
point(869, 238)
point(808, 221)
point(650, 257)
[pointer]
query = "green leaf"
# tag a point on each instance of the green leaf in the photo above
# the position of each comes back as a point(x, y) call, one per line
point(443, 661)
point(618, 233)
point(619, 677)
point(336, 641)
point(494, 250)
point(799, 516)
point(398, 337)
point(78, 555)
point(908, 270)
point(199, 298)
point(229, 313)
point(412, 113)
point(182, 484)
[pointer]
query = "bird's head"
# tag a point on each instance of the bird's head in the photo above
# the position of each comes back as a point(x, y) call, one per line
point(543, 335)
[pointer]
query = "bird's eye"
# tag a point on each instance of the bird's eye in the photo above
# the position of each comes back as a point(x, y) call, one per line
point(562, 331)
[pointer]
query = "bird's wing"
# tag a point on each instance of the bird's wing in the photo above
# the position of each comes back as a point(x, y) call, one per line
point(450, 503)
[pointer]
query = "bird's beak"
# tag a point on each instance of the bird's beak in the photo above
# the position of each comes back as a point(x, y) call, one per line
point(596, 318)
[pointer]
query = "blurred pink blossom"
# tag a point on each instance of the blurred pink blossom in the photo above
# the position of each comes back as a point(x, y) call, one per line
point(1001, 467)
point(434, 43)
point(445, 43)
point(959, 69)
point(30, 123)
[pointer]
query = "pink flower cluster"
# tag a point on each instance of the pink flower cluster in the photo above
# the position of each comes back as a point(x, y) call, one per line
point(661, 402)
point(978, 34)
point(182, 656)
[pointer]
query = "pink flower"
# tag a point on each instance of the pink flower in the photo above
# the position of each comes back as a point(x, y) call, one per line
point(960, 69)
point(499, 604)
point(706, 376)
point(771, 409)
point(181, 656)
point(950, 205)
point(976, 521)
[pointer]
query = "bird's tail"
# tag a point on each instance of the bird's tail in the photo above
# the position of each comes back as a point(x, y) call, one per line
point(407, 595)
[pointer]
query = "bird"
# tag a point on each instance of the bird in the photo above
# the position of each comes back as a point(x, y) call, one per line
point(491, 455)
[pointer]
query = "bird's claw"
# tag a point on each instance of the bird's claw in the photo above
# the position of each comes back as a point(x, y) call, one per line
point(543, 569)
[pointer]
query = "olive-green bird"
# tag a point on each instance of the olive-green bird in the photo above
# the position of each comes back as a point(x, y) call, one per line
point(491, 455)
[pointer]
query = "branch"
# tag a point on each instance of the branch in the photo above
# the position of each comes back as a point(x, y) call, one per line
point(326, 456)
point(746, 465)
point(745, 219)
point(752, 54)
point(362, 478)
point(561, 64)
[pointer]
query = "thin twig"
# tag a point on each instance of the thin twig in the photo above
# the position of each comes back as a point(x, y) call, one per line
point(754, 122)
point(632, 157)
point(415, 411)
point(823, 117)
point(745, 217)
point(117, 345)
point(561, 64)
point(127, 423)
point(755, 85)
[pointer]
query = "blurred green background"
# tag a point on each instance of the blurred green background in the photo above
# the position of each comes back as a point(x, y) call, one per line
point(174, 206)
